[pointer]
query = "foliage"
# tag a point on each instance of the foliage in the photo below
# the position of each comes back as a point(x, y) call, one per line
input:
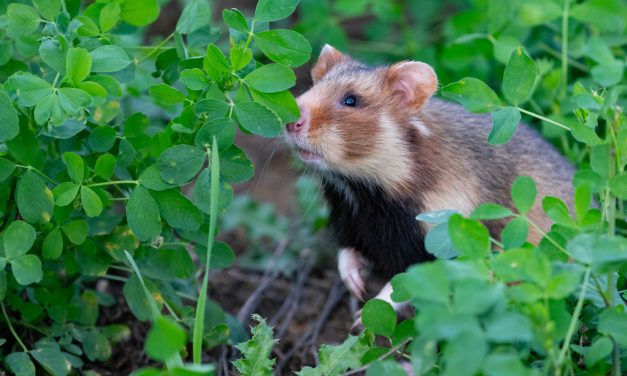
point(101, 135)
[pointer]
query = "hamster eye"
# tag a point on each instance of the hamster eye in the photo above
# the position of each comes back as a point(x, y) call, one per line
point(350, 101)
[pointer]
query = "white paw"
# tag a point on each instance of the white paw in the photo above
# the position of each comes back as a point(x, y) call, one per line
point(350, 265)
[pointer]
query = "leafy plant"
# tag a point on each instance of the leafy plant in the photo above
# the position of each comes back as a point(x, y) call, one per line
point(92, 186)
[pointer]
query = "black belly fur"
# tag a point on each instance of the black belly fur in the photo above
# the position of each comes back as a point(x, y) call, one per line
point(383, 229)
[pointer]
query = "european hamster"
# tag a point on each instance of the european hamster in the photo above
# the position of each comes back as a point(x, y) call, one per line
point(386, 151)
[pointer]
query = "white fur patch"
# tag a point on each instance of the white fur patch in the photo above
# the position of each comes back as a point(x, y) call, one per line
point(422, 128)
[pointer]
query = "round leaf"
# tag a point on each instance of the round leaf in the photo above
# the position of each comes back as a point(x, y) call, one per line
point(34, 199)
point(515, 233)
point(9, 125)
point(271, 78)
point(53, 244)
point(77, 64)
point(523, 193)
point(75, 166)
point(258, 119)
point(180, 163)
point(91, 202)
point(165, 339)
point(18, 238)
point(473, 94)
point(470, 237)
point(504, 124)
point(142, 214)
point(139, 12)
point(274, 10)
point(284, 46)
point(379, 317)
point(109, 58)
point(27, 269)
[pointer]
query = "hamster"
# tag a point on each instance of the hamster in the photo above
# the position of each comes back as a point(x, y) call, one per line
point(386, 151)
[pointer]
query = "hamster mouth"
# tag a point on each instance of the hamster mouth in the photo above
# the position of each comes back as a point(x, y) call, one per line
point(308, 155)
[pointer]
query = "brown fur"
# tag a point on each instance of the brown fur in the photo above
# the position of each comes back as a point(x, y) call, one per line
point(421, 150)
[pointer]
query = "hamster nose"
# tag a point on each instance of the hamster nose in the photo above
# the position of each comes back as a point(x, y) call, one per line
point(295, 126)
point(298, 125)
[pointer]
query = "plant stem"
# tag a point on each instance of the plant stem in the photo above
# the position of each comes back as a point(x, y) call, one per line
point(390, 352)
point(115, 182)
point(155, 49)
point(574, 319)
point(17, 338)
point(543, 118)
point(565, 46)
point(545, 235)
point(27, 167)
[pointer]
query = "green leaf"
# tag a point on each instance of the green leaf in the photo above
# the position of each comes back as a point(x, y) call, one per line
point(491, 211)
point(110, 58)
point(6, 51)
point(497, 364)
point(49, 109)
point(139, 12)
point(75, 166)
point(215, 64)
point(235, 20)
point(9, 124)
point(385, 367)
point(464, 354)
point(105, 166)
point(53, 52)
point(102, 138)
point(34, 199)
point(282, 103)
point(222, 129)
point(258, 119)
point(91, 202)
point(151, 179)
point(142, 214)
point(473, 94)
point(214, 109)
point(22, 20)
point(504, 124)
point(235, 166)
point(6, 169)
point(196, 15)
point(165, 264)
point(271, 78)
point(177, 210)
point(165, 339)
point(515, 233)
point(53, 361)
point(49, 9)
point(583, 199)
point(286, 47)
point(597, 249)
point(439, 244)
point(202, 193)
point(65, 193)
point(509, 327)
point(96, 346)
point(335, 360)
point(27, 269)
point(180, 163)
point(76, 231)
point(274, 10)
point(240, 57)
point(557, 210)
point(470, 237)
point(599, 350)
point(166, 95)
point(437, 216)
point(53, 245)
point(109, 17)
point(522, 264)
point(77, 64)
point(519, 77)
point(613, 323)
point(194, 79)
point(20, 364)
point(618, 185)
point(73, 100)
point(30, 89)
point(523, 193)
point(255, 352)
point(379, 317)
point(432, 278)
point(18, 238)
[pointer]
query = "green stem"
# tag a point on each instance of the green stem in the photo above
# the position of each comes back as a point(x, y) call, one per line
point(115, 182)
point(27, 167)
point(63, 6)
point(545, 235)
point(543, 118)
point(565, 45)
point(155, 49)
point(17, 338)
point(251, 33)
point(574, 319)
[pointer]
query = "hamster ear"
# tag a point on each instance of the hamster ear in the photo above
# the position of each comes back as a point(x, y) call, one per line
point(415, 81)
point(329, 57)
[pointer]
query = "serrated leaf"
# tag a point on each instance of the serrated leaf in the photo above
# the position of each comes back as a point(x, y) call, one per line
point(255, 351)
point(335, 360)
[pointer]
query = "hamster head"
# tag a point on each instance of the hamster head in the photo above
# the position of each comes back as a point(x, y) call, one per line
point(359, 121)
